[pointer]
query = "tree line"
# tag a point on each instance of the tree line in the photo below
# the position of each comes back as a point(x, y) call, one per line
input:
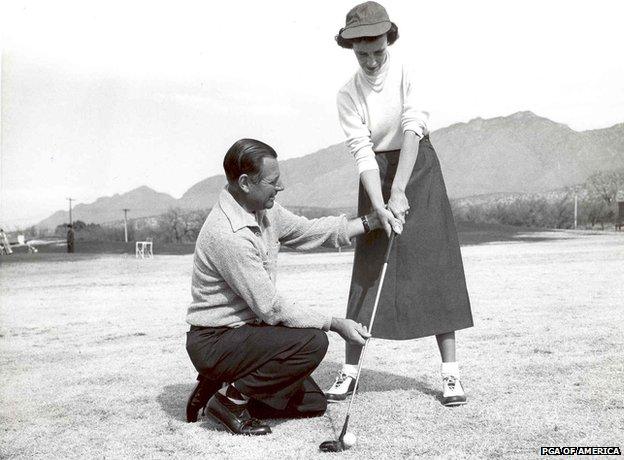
point(596, 198)
point(177, 225)
point(596, 205)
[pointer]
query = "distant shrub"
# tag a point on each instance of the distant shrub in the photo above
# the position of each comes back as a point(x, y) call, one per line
point(180, 226)
point(174, 226)
point(520, 211)
point(555, 209)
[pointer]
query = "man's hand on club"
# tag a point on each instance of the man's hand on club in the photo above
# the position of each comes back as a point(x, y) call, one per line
point(352, 332)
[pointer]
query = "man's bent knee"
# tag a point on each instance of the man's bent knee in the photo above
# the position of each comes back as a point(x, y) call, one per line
point(319, 343)
point(315, 404)
point(309, 402)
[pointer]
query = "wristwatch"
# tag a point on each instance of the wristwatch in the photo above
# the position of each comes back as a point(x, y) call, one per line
point(365, 223)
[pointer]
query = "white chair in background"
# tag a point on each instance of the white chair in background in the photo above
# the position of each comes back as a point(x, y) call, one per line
point(144, 249)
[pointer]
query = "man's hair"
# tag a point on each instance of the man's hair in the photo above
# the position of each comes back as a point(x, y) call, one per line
point(245, 157)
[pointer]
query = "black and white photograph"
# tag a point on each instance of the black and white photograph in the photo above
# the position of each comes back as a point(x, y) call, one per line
point(283, 229)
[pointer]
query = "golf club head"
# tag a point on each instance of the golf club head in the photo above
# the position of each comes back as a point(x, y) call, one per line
point(332, 446)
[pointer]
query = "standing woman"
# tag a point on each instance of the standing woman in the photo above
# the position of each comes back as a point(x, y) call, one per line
point(424, 291)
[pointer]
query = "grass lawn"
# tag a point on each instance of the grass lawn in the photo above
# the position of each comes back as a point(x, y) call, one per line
point(94, 365)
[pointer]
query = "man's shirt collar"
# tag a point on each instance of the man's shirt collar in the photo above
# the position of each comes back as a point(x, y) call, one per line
point(238, 216)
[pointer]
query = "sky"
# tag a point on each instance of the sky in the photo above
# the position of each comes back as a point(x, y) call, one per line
point(102, 97)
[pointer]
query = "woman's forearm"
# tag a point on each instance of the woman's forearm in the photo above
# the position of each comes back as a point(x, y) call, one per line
point(407, 160)
point(372, 184)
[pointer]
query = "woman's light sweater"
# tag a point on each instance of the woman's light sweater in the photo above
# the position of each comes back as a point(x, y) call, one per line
point(375, 111)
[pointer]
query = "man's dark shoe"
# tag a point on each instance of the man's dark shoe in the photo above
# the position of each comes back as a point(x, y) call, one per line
point(203, 391)
point(235, 417)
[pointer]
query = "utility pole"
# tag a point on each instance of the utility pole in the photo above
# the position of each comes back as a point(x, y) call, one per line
point(70, 216)
point(125, 210)
point(575, 209)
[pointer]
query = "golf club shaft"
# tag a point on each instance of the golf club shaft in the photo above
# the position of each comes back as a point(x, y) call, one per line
point(370, 329)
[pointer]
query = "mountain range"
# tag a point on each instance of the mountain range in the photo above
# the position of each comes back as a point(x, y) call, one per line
point(521, 152)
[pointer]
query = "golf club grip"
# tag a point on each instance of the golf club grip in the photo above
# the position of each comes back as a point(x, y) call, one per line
point(389, 248)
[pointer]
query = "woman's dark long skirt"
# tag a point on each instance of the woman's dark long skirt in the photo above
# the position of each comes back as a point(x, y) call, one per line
point(424, 292)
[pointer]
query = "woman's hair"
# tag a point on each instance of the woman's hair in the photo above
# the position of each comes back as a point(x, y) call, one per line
point(392, 34)
point(245, 157)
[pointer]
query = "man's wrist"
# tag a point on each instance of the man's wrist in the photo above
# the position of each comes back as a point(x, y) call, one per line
point(365, 223)
point(373, 221)
point(337, 325)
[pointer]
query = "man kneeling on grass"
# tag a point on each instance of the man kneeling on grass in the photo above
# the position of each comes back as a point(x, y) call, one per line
point(255, 350)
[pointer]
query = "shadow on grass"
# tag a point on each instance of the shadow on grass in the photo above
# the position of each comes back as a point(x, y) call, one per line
point(371, 381)
point(173, 397)
point(375, 381)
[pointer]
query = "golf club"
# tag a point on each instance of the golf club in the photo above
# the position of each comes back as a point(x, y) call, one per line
point(346, 440)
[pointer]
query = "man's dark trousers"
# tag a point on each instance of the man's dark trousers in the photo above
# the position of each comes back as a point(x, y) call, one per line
point(270, 364)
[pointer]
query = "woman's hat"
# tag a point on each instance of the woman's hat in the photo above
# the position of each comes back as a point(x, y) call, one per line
point(368, 19)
